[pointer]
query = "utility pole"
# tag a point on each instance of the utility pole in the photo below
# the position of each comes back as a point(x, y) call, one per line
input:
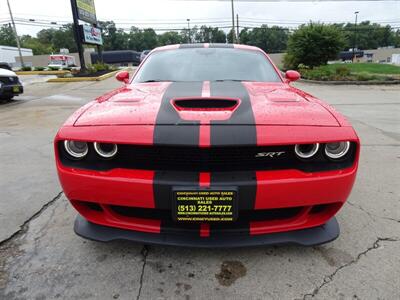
point(16, 34)
point(78, 35)
point(233, 23)
point(189, 39)
point(237, 28)
point(355, 36)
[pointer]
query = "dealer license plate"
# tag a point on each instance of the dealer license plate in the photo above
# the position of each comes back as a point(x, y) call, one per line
point(16, 89)
point(205, 205)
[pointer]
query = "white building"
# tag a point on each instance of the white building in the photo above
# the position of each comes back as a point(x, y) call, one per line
point(8, 54)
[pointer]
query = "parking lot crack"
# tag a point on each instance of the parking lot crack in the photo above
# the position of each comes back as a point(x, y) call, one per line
point(329, 278)
point(371, 215)
point(24, 227)
point(144, 252)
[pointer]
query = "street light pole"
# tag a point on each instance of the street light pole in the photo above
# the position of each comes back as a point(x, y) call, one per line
point(16, 34)
point(355, 36)
point(233, 22)
point(189, 39)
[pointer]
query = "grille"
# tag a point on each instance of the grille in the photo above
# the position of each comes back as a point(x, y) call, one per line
point(9, 80)
point(214, 159)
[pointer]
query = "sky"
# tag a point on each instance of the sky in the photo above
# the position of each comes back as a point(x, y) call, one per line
point(165, 14)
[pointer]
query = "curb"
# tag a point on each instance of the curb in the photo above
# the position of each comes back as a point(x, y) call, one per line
point(349, 82)
point(80, 79)
point(42, 72)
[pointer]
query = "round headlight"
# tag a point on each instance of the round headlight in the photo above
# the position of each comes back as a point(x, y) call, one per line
point(306, 150)
point(337, 150)
point(76, 149)
point(105, 150)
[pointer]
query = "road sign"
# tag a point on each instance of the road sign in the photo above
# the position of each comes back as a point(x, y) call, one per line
point(91, 35)
point(86, 11)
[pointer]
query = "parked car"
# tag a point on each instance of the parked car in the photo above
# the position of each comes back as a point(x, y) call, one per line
point(10, 85)
point(144, 54)
point(217, 151)
point(4, 65)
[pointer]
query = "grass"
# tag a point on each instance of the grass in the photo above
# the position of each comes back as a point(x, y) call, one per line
point(353, 72)
point(371, 68)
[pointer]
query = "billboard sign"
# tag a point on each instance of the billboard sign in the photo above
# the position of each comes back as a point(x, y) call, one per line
point(86, 11)
point(91, 35)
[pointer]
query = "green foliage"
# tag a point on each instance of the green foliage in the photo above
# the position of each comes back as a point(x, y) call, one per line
point(170, 37)
point(313, 45)
point(342, 71)
point(365, 76)
point(99, 67)
point(270, 39)
point(356, 71)
point(37, 47)
point(54, 68)
point(7, 36)
point(26, 68)
point(367, 35)
point(210, 35)
point(39, 68)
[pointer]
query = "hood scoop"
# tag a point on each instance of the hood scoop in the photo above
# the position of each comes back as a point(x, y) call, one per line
point(205, 104)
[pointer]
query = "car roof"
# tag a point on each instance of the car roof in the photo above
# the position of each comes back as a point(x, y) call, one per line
point(207, 45)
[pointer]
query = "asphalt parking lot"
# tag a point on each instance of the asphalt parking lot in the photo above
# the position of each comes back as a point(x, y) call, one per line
point(41, 257)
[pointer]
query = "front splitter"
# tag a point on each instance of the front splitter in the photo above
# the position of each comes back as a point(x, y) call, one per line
point(304, 237)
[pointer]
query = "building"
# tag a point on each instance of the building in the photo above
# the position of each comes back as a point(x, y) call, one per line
point(8, 54)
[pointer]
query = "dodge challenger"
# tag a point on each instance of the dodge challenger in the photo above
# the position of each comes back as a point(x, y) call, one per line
point(207, 145)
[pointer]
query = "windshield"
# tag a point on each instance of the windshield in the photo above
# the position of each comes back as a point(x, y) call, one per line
point(207, 64)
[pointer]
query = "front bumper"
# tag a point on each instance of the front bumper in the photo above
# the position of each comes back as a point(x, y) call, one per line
point(305, 237)
point(11, 90)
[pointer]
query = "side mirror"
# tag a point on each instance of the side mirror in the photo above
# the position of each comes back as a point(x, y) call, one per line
point(123, 76)
point(292, 75)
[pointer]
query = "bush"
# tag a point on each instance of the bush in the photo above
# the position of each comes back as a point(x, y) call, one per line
point(364, 76)
point(317, 74)
point(39, 68)
point(54, 68)
point(342, 71)
point(26, 68)
point(313, 45)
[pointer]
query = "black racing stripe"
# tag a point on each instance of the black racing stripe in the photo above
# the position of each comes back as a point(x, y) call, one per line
point(185, 46)
point(240, 129)
point(170, 129)
point(166, 132)
point(217, 45)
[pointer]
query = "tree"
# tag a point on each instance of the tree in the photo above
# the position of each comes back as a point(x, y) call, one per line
point(37, 47)
point(270, 39)
point(210, 35)
point(313, 45)
point(169, 38)
point(113, 38)
point(7, 36)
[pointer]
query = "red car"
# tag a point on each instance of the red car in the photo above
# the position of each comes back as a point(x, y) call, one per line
point(207, 145)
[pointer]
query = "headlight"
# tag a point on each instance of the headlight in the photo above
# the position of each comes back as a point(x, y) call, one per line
point(337, 150)
point(306, 150)
point(105, 150)
point(76, 149)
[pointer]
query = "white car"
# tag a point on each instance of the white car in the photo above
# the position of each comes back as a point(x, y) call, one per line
point(10, 85)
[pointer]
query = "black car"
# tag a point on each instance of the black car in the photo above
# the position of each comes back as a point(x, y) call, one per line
point(10, 85)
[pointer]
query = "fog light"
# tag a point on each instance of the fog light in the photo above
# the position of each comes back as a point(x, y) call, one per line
point(105, 150)
point(76, 149)
point(306, 150)
point(337, 150)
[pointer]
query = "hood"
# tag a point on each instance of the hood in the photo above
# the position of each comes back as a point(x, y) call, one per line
point(166, 103)
point(5, 72)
